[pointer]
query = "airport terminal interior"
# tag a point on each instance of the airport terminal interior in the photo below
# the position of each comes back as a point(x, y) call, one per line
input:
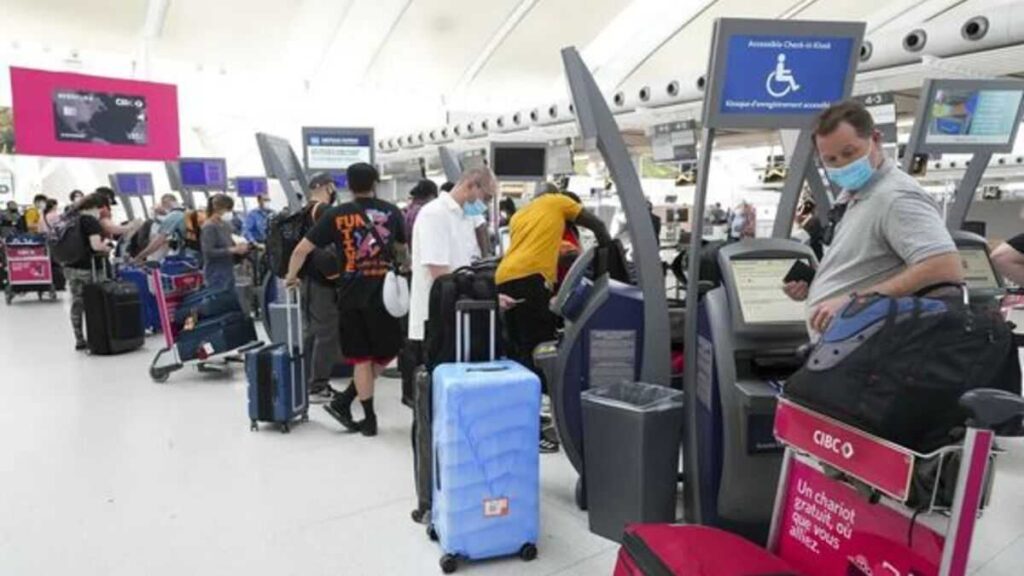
point(553, 287)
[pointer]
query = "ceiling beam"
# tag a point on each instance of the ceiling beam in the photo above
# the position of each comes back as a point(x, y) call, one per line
point(497, 39)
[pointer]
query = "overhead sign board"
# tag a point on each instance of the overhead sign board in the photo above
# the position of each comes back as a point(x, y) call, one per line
point(778, 74)
point(560, 158)
point(674, 142)
point(335, 149)
point(882, 106)
point(473, 159)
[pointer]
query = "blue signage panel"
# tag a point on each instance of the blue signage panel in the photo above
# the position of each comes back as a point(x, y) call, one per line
point(140, 184)
point(784, 75)
point(250, 187)
point(203, 173)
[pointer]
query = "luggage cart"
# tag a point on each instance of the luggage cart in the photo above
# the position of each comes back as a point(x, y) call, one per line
point(28, 268)
point(170, 290)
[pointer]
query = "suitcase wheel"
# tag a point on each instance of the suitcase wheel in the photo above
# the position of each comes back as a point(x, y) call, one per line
point(285, 429)
point(449, 563)
point(253, 426)
point(431, 533)
point(159, 375)
point(528, 552)
point(305, 416)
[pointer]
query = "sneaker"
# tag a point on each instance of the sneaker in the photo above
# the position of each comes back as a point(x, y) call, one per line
point(81, 345)
point(548, 446)
point(368, 427)
point(321, 394)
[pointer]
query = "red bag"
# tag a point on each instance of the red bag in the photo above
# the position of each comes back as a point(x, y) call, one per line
point(669, 550)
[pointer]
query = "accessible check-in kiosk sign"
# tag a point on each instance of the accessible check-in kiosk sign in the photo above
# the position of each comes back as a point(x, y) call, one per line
point(762, 75)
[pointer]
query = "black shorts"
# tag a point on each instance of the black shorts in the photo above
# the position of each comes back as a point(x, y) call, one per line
point(1017, 243)
point(369, 334)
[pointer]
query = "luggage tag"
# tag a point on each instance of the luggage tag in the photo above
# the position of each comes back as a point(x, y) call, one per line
point(496, 507)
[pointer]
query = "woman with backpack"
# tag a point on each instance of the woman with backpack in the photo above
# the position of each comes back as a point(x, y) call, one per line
point(90, 266)
point(218, 244)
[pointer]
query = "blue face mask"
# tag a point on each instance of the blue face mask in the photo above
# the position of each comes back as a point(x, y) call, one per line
point(854, 175)
point(474, 208)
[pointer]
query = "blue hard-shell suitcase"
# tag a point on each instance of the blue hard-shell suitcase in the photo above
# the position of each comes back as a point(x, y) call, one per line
point(277, 380)
point(486, 426)
point(207, 303)
point(215, 336)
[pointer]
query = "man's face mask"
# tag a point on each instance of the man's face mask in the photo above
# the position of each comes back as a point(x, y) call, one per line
point(854, 175)
point(474, 208)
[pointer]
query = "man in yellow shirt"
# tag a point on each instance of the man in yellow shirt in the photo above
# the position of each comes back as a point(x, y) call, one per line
point(530, 267)
point(34, 214)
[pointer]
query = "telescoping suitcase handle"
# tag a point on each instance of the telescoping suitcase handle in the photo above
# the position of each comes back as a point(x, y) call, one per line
point(288, 322)
point(462, 324)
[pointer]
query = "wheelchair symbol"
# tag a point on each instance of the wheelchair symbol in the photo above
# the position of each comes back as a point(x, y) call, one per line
point(781, 76)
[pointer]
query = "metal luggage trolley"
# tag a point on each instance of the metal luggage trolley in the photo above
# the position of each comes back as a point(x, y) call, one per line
point(852, 503)
point(170, 288)
point(28, 267)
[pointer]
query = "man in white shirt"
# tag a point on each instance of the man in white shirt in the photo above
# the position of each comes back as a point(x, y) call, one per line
point(444, 239)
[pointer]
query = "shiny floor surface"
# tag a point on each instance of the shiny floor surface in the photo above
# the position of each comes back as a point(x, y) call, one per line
point(103, 472)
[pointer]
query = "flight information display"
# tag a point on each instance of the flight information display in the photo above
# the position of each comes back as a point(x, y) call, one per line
point(526, 163)
point(203, 173)
point(759, 288)
point(968, 116)
point(978, 270)
point(129, 184)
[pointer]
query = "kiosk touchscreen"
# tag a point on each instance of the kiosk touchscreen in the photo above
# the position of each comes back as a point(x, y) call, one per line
point(979, 273)
point(132, 184)
point(758, 285)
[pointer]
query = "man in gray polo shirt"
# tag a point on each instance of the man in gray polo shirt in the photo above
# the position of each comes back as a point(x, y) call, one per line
point(890, 239)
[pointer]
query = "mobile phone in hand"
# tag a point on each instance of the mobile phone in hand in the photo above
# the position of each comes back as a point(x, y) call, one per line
point(800, 272)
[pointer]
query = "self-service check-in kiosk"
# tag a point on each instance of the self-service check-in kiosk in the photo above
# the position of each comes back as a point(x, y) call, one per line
point(983, 282)
point(742, 342)
point(129, 186)
point(749, 333)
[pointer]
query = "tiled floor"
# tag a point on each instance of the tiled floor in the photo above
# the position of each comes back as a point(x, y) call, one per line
point(103, 472)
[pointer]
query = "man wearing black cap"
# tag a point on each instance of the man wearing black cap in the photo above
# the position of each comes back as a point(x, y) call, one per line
point(370, 336)
point(320, 295)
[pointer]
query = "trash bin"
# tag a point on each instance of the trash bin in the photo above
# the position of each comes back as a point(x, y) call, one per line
point(631, 437)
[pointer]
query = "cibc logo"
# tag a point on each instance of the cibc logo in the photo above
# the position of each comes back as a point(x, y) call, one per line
point(833, 444)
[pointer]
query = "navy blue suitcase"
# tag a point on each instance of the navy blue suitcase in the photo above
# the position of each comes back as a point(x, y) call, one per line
point(276, 377)
point(207, 303)
point(140, 278)
point(215, 336)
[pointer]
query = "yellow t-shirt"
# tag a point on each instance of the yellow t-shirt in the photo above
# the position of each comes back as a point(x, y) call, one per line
point(32, 218)
point(536, 233)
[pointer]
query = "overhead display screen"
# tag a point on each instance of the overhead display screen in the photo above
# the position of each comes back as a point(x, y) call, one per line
point(978, 271)
point(784, 74)
point(967, 116)
point(759, 288)
point(75, 115)
point(560, 159)
point(473, 159)
point(251, 187)
point(524, 163)
point(130, 184)
point(203, 173)
point(675, 141)
point(335, 149)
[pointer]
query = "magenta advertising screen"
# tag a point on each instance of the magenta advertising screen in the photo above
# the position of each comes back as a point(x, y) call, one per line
point(60, 114)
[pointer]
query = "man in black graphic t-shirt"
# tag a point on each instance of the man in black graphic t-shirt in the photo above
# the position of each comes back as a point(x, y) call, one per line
point(370, 336)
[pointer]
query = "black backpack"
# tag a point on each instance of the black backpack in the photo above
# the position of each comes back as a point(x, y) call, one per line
point(140, 239)
point(474, 282)
point(897, 367)
point(285, 232)
point(67, 245)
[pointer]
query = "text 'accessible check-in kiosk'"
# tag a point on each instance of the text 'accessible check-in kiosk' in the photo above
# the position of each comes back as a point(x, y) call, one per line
point(742, 342)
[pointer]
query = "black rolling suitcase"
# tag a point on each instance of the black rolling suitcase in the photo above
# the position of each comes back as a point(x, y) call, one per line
point(422, 446)
point(113, 317)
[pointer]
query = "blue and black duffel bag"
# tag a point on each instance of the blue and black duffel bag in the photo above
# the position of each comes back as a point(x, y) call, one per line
point(897, 367)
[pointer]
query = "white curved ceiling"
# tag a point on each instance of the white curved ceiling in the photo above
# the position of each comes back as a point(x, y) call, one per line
point(399, 64)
